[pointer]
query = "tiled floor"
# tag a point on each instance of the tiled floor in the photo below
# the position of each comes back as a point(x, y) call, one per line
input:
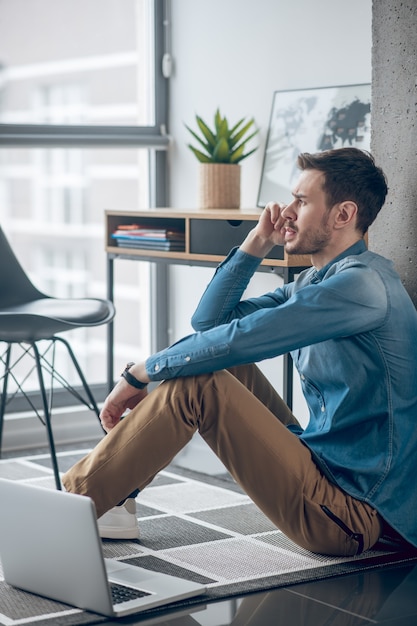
point(384, 596)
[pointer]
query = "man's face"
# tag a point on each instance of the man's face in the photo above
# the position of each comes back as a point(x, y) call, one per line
point(307, 229)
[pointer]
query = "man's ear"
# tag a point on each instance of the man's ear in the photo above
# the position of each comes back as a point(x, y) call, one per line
point(346, 214)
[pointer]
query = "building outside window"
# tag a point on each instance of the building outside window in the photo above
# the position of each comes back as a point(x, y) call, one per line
point(90, 64)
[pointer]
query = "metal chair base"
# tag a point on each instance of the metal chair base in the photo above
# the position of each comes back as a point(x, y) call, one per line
point(44, 362)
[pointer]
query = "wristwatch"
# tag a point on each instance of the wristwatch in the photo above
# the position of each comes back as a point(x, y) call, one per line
point(131, 379)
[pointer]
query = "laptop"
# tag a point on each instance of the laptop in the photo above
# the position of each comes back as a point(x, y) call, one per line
point(50, 545)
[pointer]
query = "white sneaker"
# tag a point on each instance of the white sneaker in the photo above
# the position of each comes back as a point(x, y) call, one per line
point(120, 522)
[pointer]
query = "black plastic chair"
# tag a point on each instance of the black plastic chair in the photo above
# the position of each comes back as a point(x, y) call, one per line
point(28, 316)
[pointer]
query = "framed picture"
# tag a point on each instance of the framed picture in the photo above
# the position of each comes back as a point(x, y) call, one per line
point(311, 120)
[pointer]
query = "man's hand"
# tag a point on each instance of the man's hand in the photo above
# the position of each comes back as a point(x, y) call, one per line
point(121, 398)
point(267, 233)
point(271, 223)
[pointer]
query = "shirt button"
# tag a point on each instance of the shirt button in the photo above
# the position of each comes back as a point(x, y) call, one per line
point(156, 368)
point(302, 377)
point(322, 409)
point(187, 358)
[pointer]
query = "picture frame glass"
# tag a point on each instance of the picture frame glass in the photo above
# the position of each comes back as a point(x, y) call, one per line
point(311, 120)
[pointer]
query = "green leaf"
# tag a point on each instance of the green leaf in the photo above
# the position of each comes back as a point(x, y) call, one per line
point(236, 126)
point(205, 145)
point(221, 151)
point(237, 154)
point(244, 156)
point(217, 121)
point(238, 136)
point(203, 158)
point(208, 134)
point(223, 131)
point(246, 140)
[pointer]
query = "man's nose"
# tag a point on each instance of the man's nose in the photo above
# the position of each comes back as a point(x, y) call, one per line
point(288, 213)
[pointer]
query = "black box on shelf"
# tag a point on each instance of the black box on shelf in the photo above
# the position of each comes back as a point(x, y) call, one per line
point(218, 237)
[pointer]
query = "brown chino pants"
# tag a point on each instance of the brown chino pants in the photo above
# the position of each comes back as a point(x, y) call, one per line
point(242, 419)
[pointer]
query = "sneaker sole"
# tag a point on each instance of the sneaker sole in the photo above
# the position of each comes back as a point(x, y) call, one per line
point(119, 533)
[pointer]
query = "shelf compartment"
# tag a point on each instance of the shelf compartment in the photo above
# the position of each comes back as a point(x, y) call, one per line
point(218, 237)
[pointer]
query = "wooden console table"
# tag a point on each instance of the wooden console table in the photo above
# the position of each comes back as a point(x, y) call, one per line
point(208, 236)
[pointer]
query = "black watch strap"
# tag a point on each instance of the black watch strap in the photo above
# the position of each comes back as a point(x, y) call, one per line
point(131, 379)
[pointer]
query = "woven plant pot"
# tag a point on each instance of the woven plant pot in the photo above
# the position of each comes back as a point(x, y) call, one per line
point(219, 186)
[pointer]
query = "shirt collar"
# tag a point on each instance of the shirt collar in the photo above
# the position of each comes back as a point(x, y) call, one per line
point(356, 248)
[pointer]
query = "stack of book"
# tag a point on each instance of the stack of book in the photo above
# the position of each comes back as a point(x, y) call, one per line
point(149, 237)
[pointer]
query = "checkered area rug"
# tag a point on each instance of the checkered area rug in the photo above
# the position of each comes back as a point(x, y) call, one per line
point(199, 527)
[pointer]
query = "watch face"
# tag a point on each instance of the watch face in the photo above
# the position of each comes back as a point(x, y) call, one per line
point(127, 367)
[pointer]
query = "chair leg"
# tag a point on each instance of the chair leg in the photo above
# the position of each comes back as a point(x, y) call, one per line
point(93, 405)
point(47, 416)
point(4, 392)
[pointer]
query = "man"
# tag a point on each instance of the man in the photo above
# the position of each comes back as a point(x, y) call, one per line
point(343, 482)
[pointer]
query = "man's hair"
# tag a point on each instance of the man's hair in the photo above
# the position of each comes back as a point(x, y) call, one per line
point(350, 174)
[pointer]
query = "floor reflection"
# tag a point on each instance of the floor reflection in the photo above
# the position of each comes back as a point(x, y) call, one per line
point(370, 597)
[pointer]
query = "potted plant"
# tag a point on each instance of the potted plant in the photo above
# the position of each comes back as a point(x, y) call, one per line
point(221, 149)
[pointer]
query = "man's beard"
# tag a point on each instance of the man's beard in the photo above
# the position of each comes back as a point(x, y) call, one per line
point(310, 242)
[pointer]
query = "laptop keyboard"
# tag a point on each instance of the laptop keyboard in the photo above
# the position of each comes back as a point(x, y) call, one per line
point(120, 593)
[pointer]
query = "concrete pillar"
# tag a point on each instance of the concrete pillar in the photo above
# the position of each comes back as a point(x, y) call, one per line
point(394, 133)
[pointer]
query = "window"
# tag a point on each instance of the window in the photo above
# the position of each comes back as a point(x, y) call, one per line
point(82, 122)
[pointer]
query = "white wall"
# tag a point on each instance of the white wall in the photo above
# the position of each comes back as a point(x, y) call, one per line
point(234, 54)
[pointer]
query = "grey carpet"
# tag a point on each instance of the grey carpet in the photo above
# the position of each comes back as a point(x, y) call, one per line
point(199, 527)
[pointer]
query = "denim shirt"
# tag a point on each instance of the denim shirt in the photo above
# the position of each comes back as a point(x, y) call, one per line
point(351, 329)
